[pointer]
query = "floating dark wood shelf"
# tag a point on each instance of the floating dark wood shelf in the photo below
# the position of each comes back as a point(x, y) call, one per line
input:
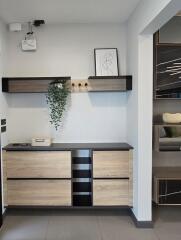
point(111, 77)
point(110, 83)
point(93, 84)
point(28, 84)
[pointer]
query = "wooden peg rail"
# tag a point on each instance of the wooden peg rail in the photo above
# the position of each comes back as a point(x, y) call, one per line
point(79, 86)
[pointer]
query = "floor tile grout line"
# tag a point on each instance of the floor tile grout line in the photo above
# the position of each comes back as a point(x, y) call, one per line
point(158, 238)
point(99, 228)
point(46, 232)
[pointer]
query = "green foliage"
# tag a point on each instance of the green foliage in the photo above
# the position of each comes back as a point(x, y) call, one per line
point(56, 99)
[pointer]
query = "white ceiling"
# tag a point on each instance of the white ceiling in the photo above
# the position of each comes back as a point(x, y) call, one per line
point(67, 11)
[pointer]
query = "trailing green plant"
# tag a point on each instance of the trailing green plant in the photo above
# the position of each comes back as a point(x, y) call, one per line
point(56, 98)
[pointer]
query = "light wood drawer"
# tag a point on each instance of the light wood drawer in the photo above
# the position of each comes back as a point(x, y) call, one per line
point(111, 164)
point(43, 164)
point(110, 192)
point(39, 192)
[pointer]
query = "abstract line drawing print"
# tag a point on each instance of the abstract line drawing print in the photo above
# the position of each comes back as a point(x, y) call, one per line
point(168, 71)
point(106, 62)
point(172, 68)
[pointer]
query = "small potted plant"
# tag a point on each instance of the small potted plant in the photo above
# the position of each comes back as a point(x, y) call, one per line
point(56, 98)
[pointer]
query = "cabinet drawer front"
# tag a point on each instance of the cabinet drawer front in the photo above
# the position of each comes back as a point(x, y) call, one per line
point(39, 192)
point(111, 164)
point(110, 192)
point(38, 164)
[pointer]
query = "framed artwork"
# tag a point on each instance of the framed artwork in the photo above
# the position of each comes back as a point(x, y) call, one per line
point(106, 62)
point(168, 71)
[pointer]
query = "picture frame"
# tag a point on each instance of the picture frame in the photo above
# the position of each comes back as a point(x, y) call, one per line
point(106, 62)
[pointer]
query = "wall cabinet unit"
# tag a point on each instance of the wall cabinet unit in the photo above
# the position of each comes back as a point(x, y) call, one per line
point(50, 177)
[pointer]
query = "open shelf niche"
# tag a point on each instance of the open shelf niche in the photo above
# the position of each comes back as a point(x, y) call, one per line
point(81, 180)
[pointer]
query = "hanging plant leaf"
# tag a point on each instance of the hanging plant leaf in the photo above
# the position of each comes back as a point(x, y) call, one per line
point(56, 98)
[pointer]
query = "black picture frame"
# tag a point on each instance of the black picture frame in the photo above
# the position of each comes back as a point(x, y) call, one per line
point(116, 59)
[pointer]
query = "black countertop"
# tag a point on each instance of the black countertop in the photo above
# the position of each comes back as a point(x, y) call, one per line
point(70, 147)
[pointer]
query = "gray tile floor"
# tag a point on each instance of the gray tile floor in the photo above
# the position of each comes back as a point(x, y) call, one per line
point(89, 225)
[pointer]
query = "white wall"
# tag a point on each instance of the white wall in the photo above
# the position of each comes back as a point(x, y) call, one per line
point(67, 49)
point(90, 118)
point(148, 17)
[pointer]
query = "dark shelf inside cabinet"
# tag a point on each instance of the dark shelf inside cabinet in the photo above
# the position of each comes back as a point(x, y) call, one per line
point(82, 187)
point(81, 160)
point(29, 84)
point(81, 173)
point(82, 200)
point(82, 181)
